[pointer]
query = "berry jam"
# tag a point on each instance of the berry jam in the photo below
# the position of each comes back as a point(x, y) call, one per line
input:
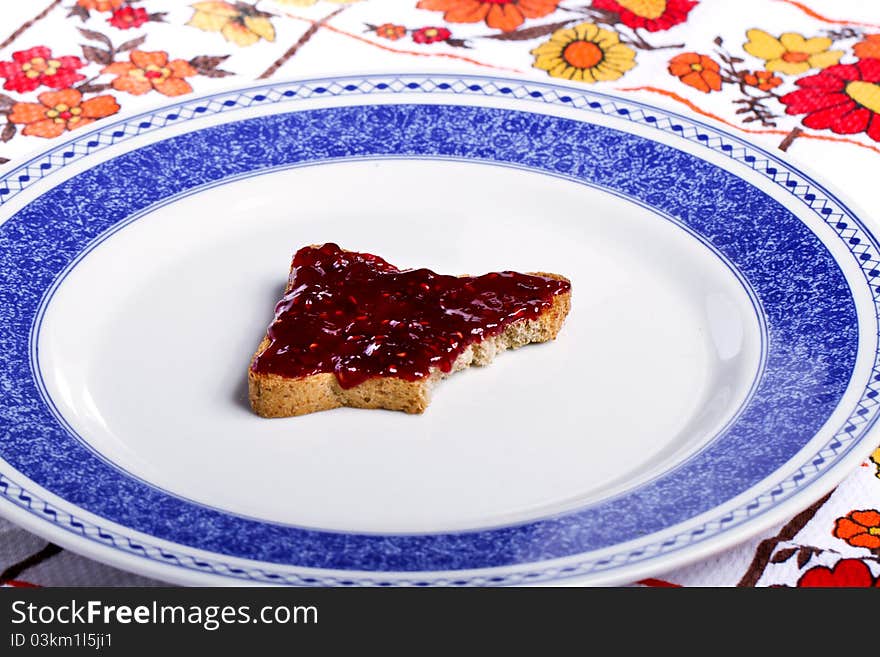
point(357, 316)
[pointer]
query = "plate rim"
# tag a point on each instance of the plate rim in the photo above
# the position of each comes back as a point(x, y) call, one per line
point(826, 188)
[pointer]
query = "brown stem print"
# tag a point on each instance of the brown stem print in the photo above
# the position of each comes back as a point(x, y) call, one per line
point(638, 41)
point(29, 562)
point(755, 110)
point(95, 54)
point(752, 105)
point(846, 32)
point(529, 32)
point(604, 16)
point(308, 34)
point(766, 547)
point(789, 138)
point(12, 37)
point(8, 130)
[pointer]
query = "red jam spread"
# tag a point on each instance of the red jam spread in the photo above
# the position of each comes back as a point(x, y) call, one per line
point(357, 316)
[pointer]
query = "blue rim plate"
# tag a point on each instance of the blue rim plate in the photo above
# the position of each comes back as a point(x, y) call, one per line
point(804, 257)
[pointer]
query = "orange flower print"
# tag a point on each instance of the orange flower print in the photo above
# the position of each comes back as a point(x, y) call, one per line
point(58, 111)
point(859, 529)
point(146, 71)
point(869, 48)
point(506, 15)
point(100, 5)
point(697, 71)
point(391, 31)
point(763, 80)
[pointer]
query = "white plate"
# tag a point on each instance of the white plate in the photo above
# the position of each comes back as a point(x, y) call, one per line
point(716, 371)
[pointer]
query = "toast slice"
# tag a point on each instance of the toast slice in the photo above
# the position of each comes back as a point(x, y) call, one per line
point(353, 330)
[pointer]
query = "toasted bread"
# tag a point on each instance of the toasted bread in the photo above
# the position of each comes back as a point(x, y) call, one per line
point(277, 395)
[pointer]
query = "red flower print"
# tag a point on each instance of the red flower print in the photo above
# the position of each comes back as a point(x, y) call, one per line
point(34, 67)
point(390, 31)
point(506, 15)
point(697, 71)
point(846, 573)
point(844, 98)
point(763, 80)
point(58, 111)
point(151, 70)
point(431, 35)
point(859, 529)
point(652, 15)
point(128, 17)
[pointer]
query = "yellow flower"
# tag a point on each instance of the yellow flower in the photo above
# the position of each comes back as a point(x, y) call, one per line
point(238, 22)
point(791, 53)
point(584, 53)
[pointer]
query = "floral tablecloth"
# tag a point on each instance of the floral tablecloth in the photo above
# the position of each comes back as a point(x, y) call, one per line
point(801, 77)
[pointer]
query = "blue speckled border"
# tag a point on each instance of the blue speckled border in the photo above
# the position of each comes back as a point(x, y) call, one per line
point(810, 314)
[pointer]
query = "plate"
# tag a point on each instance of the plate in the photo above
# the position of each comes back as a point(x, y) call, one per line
point(718, 370)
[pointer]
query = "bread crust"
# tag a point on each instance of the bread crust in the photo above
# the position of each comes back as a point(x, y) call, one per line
point(273, 395)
